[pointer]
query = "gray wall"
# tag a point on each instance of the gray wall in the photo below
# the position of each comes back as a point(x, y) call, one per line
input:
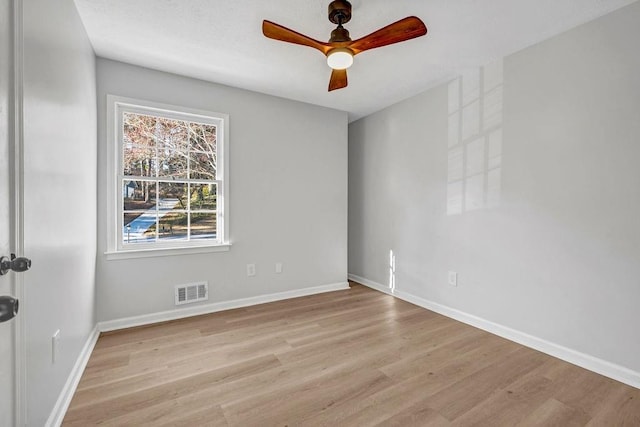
point(288, 197)
point(60, 196)
point(530, 194)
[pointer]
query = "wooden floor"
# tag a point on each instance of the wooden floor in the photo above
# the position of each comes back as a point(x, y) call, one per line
point(348, 358)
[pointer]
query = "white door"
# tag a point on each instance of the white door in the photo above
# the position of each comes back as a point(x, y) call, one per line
point(8, 328)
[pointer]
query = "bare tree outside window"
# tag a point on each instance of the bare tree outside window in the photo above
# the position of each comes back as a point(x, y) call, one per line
point(169, 179)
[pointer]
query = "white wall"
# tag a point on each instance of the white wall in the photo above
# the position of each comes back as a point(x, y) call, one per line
point(547, 241)
point(288, 197)
point(60, 196)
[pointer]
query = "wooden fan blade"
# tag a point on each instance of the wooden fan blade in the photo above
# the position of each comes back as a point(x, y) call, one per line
point(278, 32)
point(404, 29)
point(338, 80)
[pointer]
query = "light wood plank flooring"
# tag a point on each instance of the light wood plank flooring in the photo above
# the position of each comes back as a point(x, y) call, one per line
point(348, 358)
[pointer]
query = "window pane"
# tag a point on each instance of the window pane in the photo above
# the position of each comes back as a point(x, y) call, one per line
point(139, 226)
point(202, 137)
point(173, 135)
point(202, 145)
point(139, 129)
point(139, 216)
point(173, 226)
point(172, 163)
point(203, 225)
point(138, 195)
point(172, 195)
point(202, 165)
point(172, 206)
point(204, 197)
point(139, 161)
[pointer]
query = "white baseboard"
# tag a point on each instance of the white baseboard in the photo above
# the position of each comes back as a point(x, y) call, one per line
point(146, 319)
point(64, 399)
point(371, 284)
point(600, 366)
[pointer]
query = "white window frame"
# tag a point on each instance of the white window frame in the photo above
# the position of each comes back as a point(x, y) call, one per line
point(116, 249)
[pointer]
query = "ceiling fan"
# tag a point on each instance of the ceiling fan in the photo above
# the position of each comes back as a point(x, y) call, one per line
point(340, 49)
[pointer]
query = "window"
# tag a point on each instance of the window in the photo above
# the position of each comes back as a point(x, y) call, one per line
point(168, 182)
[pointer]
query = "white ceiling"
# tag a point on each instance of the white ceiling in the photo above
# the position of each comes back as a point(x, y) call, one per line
point(222, 41)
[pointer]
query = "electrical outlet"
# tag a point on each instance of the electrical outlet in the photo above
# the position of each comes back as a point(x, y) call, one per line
point(251, 270)
point(453, 278)
point(55, 341)
point(278, 267)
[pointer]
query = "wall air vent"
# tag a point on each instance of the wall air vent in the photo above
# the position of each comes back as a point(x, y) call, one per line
point(192, 292)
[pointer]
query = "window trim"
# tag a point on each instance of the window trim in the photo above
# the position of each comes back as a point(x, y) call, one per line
point(116, 105)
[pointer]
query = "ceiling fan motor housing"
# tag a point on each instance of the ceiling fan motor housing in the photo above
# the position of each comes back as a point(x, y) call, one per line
point(339, 35)
point(339, 12)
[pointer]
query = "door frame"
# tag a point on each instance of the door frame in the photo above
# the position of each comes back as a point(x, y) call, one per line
point(16, 153)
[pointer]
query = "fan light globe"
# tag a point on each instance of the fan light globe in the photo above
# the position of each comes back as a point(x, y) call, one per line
point(340, 59)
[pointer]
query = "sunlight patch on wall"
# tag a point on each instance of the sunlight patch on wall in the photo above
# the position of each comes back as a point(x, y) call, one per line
point(392, 271)
point(475, 139)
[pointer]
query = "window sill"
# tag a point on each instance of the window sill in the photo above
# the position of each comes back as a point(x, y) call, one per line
point(160, 252)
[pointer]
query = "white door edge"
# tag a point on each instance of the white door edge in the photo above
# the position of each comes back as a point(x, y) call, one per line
point(17, 240)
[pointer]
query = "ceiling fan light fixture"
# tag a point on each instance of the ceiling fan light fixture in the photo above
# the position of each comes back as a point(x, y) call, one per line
point(340, 58)
point(340, 49)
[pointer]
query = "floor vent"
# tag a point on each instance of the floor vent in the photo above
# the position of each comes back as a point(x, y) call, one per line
point(192, 292)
